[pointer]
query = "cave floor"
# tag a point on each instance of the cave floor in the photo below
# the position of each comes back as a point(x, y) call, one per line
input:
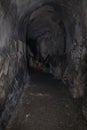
point(46, 105)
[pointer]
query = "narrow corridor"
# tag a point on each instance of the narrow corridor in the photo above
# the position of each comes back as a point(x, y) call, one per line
point(46, 105)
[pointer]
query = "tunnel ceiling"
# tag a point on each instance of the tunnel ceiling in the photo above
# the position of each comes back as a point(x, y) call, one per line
point(49, 21)
point(46, 25)
point(49, 12)
point(44, 18)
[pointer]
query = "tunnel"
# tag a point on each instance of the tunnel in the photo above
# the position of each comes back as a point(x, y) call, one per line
point(43, 65)
point(43, 31)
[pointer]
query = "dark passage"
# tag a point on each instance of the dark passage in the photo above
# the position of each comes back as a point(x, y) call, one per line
point(46, 105)
point(43, 64)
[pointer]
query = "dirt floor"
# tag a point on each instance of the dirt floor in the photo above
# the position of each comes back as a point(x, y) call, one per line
point(46, 104)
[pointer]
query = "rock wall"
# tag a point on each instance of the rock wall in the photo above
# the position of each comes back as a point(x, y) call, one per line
point(12, 60)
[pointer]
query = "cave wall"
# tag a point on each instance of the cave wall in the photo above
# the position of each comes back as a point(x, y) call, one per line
point(12, 60)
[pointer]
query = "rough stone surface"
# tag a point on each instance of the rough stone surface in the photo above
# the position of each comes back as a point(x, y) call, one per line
point(12, 57)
